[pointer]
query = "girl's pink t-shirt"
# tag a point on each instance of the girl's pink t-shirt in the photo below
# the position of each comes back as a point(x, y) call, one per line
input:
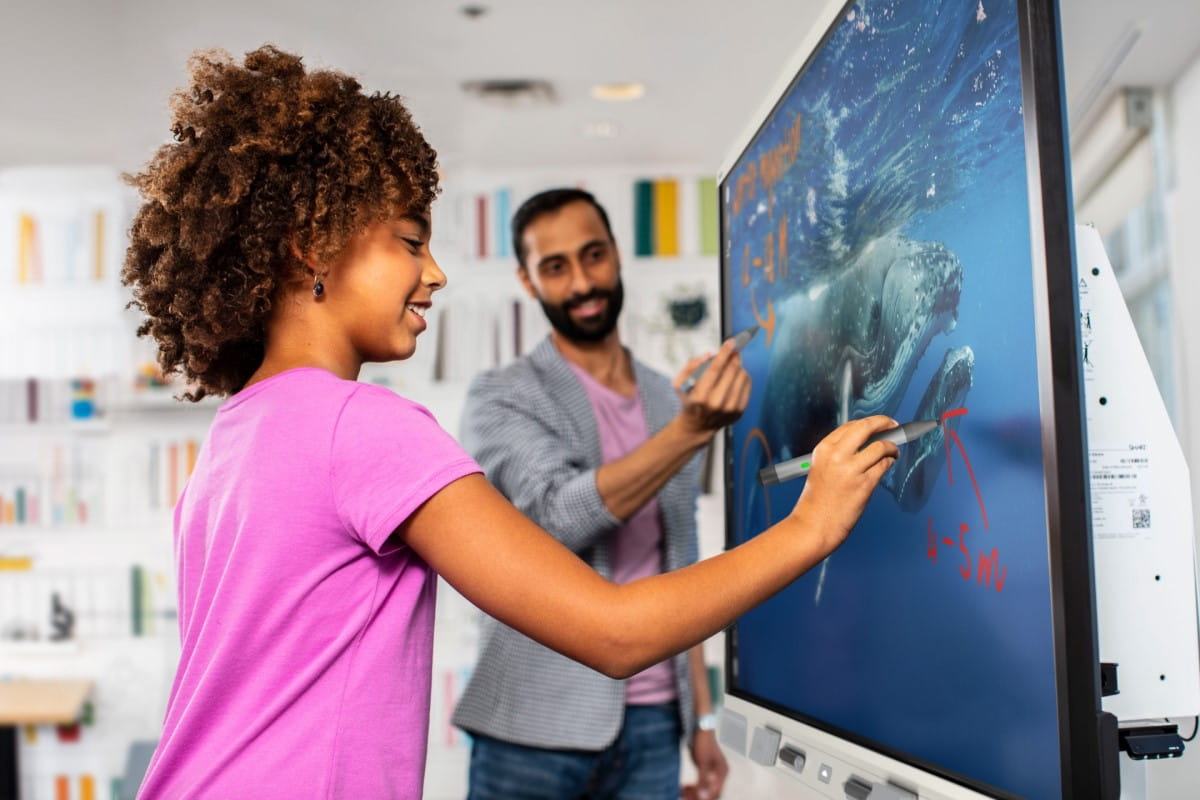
point(306, 626)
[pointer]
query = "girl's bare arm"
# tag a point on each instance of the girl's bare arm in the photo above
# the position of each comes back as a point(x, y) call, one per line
point(519, 574)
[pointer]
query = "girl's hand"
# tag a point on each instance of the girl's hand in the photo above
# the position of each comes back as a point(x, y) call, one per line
point(843, 476)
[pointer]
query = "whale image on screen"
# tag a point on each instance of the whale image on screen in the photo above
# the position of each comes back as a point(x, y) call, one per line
point(877, 227)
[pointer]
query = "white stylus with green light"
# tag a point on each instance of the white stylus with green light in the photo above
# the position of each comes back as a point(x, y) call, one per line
point(795, 467)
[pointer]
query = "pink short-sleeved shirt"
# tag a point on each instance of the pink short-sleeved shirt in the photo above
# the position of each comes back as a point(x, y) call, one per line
point(306, 627)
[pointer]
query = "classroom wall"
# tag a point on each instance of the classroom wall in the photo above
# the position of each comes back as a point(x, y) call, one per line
point(1183, 212)
point(1178, 778)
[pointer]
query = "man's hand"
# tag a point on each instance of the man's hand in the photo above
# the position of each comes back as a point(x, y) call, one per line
point(710, 767)
point(719, 397)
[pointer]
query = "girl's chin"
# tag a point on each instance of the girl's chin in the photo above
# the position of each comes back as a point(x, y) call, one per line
point(388, 357)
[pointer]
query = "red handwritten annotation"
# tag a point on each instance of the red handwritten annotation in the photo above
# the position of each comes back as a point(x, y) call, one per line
point(988, 570)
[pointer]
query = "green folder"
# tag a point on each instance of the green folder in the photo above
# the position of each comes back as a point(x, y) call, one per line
point(643, 218)
point(708, 216)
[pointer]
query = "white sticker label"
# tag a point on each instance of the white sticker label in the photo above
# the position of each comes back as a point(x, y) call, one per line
point(1120, 491)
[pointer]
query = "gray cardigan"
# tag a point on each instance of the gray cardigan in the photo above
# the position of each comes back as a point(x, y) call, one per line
point(531, 427)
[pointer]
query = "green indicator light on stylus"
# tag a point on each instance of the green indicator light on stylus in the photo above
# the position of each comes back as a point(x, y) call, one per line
point(806, 465)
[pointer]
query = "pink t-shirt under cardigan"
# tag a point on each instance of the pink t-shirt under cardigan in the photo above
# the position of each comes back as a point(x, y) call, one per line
point(307, 632)
point(637, 546)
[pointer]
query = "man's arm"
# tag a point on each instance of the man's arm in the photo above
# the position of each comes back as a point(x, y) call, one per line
point(718, 398)
point(527, 459)
point(711, 767)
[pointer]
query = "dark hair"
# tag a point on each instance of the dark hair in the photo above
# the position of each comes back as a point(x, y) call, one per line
point(545, 202)
point(268, 160)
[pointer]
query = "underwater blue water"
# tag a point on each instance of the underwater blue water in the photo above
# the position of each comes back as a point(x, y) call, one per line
point(910, 126)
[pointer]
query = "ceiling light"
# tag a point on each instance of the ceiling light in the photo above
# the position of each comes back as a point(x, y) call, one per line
point(618, 91)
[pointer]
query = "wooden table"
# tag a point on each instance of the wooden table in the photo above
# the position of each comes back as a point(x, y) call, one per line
point(33, 702)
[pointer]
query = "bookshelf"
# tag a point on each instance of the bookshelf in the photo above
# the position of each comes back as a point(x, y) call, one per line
point(92, 457)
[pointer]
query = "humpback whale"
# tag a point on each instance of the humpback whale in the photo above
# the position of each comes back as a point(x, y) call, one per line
point(847, 345)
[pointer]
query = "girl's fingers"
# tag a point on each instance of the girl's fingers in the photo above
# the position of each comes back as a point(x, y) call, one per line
point(854, 434)
point(876, 452)
point(875, 472)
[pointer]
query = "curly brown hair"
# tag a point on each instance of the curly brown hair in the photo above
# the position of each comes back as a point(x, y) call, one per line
point(268, 160)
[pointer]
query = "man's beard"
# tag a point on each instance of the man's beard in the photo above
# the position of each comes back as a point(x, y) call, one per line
point(596, 328)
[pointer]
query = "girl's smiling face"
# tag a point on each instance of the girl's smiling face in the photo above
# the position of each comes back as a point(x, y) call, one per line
point(381, 288)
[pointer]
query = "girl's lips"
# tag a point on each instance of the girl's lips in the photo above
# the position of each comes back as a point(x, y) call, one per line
point(418, 313)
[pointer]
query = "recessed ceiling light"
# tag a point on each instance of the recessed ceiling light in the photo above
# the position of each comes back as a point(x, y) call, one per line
point(600, 130)
point(618, 91)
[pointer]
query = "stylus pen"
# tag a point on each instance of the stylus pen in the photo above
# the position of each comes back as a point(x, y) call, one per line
point(795, 467)
point(739, 342)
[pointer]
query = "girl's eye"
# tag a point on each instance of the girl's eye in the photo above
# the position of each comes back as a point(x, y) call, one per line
point(415, 244)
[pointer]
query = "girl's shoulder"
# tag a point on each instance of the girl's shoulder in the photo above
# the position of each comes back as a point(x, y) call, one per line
point(383, 398)
point(371, 407)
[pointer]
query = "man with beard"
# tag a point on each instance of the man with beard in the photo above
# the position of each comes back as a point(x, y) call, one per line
point(601, 452)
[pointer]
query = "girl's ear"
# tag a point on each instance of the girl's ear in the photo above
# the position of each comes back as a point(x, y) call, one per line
point(300, 256)
point(318, 274)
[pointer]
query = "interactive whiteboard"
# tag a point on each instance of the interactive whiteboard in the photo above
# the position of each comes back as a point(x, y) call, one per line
point(898, 223)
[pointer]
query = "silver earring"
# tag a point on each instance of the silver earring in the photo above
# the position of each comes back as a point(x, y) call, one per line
point(318, 287)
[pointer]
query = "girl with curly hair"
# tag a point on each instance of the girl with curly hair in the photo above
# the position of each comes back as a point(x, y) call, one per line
point(283, 242)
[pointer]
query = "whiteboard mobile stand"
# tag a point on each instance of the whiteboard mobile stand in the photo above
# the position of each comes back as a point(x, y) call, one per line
point(1145, 577)
point(1142, 523)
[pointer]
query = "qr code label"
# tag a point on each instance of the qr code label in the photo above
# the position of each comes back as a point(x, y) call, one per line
point(1141, 518)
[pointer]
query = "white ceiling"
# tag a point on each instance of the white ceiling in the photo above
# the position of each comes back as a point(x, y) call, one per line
point(83, 81)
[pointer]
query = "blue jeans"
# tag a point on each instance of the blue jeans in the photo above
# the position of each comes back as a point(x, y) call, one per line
point(641, 764)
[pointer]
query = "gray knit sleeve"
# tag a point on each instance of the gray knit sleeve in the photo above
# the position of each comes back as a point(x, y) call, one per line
point(523, 441)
